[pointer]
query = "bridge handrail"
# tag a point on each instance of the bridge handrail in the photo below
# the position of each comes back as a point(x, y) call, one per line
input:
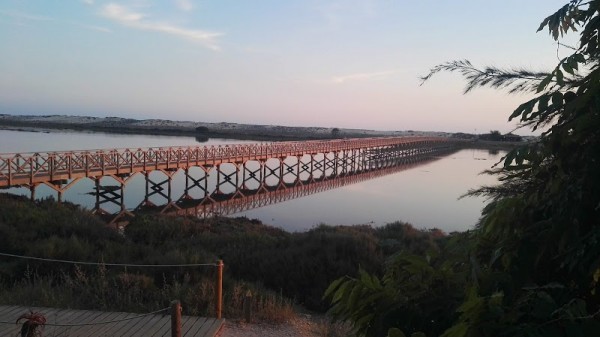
point(38, 167)
point(233, 145)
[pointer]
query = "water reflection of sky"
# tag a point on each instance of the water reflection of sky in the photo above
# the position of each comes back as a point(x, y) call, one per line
point(426, 196)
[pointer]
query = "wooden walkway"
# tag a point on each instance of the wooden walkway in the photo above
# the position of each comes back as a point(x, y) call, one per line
point(149, 325)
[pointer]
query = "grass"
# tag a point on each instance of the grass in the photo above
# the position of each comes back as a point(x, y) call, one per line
point(279, 269)
point(137, 293)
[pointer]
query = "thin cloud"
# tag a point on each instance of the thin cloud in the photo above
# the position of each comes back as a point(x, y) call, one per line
point(88, 2)
point(337, 13)
point(26, 16)
point(363, 76)
point(135, 20)
point(32, 17)
point(185, 5)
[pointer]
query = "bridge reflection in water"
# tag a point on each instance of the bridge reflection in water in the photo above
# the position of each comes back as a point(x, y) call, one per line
point(219, 180)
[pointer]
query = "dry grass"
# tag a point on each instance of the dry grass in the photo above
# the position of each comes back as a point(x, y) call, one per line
point(327, 328)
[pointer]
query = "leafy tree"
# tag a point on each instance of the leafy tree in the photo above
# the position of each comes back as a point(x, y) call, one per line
point(535, 263)
point(418, 293)
point(494, 135)
point(202, 129)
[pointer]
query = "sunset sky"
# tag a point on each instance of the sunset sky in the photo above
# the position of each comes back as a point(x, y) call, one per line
point(342, 63)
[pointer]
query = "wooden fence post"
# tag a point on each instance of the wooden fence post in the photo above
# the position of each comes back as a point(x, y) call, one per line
point(175, 319)
point(219, 290)
point(248, 306)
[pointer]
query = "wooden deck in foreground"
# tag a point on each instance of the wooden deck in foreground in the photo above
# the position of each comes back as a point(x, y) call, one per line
point(152, 325)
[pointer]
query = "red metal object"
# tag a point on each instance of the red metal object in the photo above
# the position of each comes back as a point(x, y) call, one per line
point(34, 322)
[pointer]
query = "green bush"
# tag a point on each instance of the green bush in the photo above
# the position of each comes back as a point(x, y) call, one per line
point(274, 265)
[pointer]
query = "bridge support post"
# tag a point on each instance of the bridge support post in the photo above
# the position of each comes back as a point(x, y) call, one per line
point(111, 194)
point(195, 183)
point(311, 176)
point(229, 179)
point(281, 172)
point(218, 190)
point(32, 189)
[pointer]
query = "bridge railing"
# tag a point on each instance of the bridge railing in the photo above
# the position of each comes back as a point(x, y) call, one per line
point(30, 168)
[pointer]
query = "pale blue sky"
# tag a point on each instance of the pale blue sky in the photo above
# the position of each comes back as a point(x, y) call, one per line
point(350, 64)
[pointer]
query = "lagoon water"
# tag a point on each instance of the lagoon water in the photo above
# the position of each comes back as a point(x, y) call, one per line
point(425, 196)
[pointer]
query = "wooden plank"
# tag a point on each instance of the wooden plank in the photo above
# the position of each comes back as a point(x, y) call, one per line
point(157, 323)
point(106, 329)
point(92, 316)
point(62, 316)
point(74, 323)
point(211, 328)
point(186, 323)
point(216, 327)
point(5, 309)
point(162, 330)
point(8, 316)
point(134, 325)
point(67, 317)
point(9, 330)
point(193, 331)
point(12, 312)
point(103, 329)
point(151, 325)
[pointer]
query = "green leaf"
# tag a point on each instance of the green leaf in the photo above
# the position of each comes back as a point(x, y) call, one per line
point(524, 109)
point(573, 63)
point(395, 332)
point(333, 287)
point(543, 102)
point(341, 292)
point(544, 83)
point(363, 322)
point(557, 99)
point(559, 77)
point(355, 295)
point(569, 96)
point(567, 67)
point(458, 330)
point(509, 158)
point(543, 24)
point(365, 278)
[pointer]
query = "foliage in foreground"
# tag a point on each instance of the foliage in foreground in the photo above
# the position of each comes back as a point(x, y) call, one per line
point(534, 265)
point(413, 290)
point(277, 267)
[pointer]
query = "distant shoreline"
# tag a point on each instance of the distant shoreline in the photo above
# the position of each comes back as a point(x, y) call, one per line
point(203, 131)
point(193, 129)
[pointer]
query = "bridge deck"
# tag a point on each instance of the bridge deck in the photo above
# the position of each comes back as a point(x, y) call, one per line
point(152, 325)
point(35, 168)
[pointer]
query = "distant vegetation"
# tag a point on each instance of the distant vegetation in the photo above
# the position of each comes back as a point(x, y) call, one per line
point(494, 136)
point(278, 267)
point(335, 132)
point(202, 130)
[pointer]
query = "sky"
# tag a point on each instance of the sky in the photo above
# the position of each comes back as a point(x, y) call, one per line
point(329, 63)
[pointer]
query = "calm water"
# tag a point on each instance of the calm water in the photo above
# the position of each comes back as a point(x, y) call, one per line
point(426, 196)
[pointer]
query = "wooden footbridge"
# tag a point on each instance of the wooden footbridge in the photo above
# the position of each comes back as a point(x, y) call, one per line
point(240, 171)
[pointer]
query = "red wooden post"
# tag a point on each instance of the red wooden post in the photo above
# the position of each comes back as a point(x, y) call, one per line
point(175, 319)
point(219, 290)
